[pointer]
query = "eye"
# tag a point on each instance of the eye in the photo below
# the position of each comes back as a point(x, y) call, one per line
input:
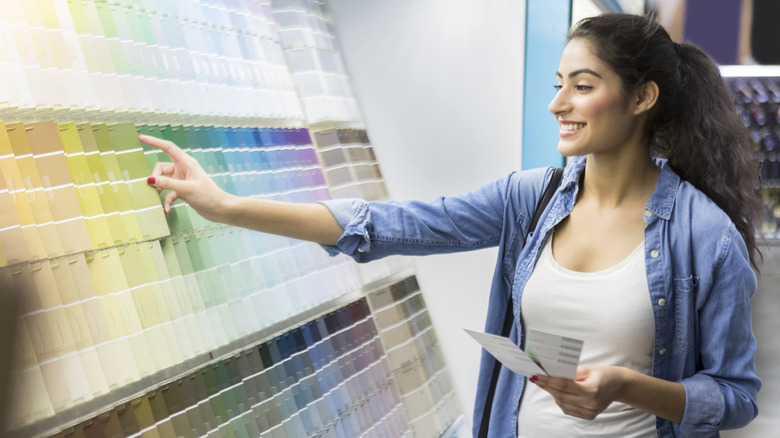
point(557, 87)
point(583, 88)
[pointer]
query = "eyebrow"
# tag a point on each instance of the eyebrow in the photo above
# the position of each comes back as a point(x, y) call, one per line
point(578, 72)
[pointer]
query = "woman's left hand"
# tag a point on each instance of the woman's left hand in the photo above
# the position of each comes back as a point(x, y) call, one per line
point(589, 394)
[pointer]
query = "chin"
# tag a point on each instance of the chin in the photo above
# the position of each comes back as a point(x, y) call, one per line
point(568, 151)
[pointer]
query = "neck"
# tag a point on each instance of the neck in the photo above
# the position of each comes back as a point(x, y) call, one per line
point(620, 180)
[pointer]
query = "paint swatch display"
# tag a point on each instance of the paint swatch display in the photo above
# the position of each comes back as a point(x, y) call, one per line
point(758, 104)
point(415, 358)
point(327, 377)
point(139, 323)
point(349, 164)
point(158, 295)
point(189, 58)
point(351, 170)
point(306, 36)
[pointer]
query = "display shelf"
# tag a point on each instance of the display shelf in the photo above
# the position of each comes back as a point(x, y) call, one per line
point(79, 413)
point(756, 93)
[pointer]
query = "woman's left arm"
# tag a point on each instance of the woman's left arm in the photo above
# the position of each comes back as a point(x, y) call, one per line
point(595, 388)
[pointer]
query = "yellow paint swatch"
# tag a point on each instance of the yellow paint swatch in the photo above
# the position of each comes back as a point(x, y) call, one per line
point(13, 246)
point(116, 354)
point(53, 342)
point(105, 191)
point(128, 312)
point(66, 271)
point(21, 203)
point(149, 302)
point(49, 156)
point(154, 263)
point(117, 180)
point(91, 207)
point(33, 185)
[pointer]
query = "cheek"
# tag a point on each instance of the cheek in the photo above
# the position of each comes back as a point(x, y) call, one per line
point(605, 108)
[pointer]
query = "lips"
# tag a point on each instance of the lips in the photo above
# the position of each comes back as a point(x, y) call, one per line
point(569, 127)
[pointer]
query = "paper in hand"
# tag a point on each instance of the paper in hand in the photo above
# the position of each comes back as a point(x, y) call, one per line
point(545, 353)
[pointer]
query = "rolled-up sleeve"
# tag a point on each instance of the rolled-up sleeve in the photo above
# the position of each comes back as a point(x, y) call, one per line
point(354, 218)
point(722, 395)
point(373, 230)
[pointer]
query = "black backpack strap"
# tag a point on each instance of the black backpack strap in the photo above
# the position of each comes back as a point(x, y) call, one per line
point(506, 327)
point(555, 181)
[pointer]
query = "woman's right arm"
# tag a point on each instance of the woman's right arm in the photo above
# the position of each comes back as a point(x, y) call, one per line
point(187, 180)
point(363, 230)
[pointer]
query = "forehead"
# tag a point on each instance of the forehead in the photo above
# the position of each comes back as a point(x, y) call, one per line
point(578, 55)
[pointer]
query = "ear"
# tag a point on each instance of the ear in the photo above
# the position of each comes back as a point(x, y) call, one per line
point(646, 97)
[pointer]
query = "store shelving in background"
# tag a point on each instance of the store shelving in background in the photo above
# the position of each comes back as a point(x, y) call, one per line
point(756, 91)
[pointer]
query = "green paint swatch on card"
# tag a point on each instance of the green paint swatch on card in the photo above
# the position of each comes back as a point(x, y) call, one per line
point(130, 157)
point(106, 192)
point(116, 181)
point(97, 224)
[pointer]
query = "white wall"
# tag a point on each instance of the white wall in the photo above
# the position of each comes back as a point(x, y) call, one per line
point(439, 83)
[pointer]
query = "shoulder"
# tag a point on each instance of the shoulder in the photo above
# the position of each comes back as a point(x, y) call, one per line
point(710, 231)
point(529, 180)
point(517, 184)
point(703, 213)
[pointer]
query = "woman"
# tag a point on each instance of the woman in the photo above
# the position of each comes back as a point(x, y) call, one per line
point(623, 226)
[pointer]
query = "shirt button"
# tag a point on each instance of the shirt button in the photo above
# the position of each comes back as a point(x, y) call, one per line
point(361, 250)
point(648, 213)
point(662, 302)
point(654, 254)
point(662, 351)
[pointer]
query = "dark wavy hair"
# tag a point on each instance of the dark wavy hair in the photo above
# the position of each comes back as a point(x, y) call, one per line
point(694, 123)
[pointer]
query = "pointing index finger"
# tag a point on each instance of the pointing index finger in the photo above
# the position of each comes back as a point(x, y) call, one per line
point(166, 146)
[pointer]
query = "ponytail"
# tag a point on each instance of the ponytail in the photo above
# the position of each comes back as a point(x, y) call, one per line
point(694, 124)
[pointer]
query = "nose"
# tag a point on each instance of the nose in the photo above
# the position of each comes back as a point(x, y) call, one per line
point(559, 103)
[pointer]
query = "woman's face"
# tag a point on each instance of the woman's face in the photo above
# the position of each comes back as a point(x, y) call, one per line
point(590, 105)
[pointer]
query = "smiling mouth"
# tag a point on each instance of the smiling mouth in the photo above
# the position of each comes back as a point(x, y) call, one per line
point(569, 127)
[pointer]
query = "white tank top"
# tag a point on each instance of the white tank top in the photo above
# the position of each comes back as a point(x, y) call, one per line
point(611, 311)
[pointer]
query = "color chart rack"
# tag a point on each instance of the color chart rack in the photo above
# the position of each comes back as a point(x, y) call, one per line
point(114, 292)
point(139, 323)
point(756, 91)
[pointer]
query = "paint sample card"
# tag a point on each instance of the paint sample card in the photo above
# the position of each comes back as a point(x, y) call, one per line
point(117, 180)
point(13, 246)
point(32, 184)
point(49, 157)
point(546, 353)
point(130, 157)
point(106, 192)
point(91, 207)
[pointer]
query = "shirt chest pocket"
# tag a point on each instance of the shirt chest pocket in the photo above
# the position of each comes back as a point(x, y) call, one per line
point(685, 311)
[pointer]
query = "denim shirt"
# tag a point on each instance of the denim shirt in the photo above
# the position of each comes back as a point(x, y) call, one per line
point(698, 274)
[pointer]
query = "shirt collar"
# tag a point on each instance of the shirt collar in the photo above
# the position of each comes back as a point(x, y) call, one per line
point(662, 199)
point(660, 202)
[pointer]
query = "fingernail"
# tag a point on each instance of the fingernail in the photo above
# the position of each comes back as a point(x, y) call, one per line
point(534, 379)
point(150, 180)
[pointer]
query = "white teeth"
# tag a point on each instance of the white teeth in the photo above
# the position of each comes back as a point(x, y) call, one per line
point(572, 126)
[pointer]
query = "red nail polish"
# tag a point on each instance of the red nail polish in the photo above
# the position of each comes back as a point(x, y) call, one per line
point(534, 379)
point(150, 180)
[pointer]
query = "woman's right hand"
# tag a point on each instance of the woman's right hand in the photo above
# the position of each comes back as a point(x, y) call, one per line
point(186, 180)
